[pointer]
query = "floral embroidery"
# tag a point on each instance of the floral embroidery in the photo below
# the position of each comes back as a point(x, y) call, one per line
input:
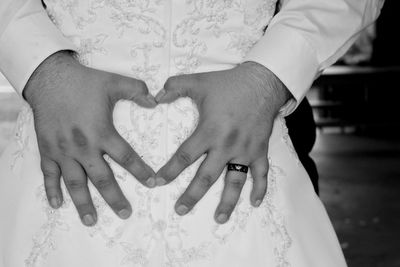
point(88, 46)
point(274, 219)
point(21, 136)
point(44, 240)
point(210, 17)
point(241, 43)
point(80, 14)
point(145, 29)
point(137, 256)
point(184, 256)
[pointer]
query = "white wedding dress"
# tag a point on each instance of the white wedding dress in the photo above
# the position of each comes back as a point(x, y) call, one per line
point(152, 40)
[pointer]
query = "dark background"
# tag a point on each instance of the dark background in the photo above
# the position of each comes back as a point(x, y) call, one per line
point(358, 149)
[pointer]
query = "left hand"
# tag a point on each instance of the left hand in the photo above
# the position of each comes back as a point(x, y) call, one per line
point(237, 108)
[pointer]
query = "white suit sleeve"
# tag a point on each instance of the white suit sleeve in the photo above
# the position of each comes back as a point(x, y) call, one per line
point(27, 38)
point(307, 36)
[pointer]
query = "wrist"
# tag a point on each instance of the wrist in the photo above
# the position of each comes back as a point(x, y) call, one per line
point(45, 73)
point(272, 86)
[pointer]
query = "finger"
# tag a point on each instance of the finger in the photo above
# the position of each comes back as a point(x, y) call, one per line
point(208, 172)
point(175, 87)
point(134, 90)
point(51, 176)
point(234, 182)
point(122, 153)
point(259, 171)
point(190, 150)
point(103, 179)
point(76, 182)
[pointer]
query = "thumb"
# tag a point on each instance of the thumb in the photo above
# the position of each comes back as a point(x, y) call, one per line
point(134, 90)
point(176, 87)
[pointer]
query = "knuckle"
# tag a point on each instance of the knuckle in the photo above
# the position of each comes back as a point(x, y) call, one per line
point(49, 172)
point(75, 184)
point(236, 183)
point(206, 180)
point(184, 157)
point(127, 158)
point(262, 148)
point(45, 146)
point(79, 138)
point(231, 138)
point(62, 144)
point(247, 144)
point(103, 183)
point(105, 132)
point(209, 131)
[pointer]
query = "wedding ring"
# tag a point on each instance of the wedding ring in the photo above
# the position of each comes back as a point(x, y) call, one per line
point(237, 167)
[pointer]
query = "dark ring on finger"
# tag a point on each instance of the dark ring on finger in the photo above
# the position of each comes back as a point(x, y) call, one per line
point(237, 167)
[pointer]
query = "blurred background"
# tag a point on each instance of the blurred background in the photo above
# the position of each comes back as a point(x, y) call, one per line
point(357, 151)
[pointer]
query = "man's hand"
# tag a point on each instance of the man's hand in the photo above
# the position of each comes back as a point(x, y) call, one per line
point(237, 108)
point(72, 107)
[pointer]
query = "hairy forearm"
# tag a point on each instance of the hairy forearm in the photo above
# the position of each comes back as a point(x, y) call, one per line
point(47, 72)
point(273, 87)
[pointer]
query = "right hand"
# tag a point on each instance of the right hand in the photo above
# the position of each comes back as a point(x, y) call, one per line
point(72, 107)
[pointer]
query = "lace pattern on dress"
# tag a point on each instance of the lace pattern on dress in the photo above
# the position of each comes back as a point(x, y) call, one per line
point(21, 135)
point(212, 16)
point(273, 219)
point(44, 241)
point(209, 16)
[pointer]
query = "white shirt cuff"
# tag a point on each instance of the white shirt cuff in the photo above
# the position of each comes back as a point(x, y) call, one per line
point(288, 55)
point(27, 42)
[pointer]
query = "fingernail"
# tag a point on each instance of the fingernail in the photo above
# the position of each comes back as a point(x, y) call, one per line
point(182, 209)
point(222, 218)
point(160, 94)
point(160, 181)
point(151, 182)
point(124, 214)
point(88, 220)
point(257, 203)
point(54, 202)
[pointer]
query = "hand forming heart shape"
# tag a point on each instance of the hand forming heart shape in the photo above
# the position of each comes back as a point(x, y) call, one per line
point(237, 108)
